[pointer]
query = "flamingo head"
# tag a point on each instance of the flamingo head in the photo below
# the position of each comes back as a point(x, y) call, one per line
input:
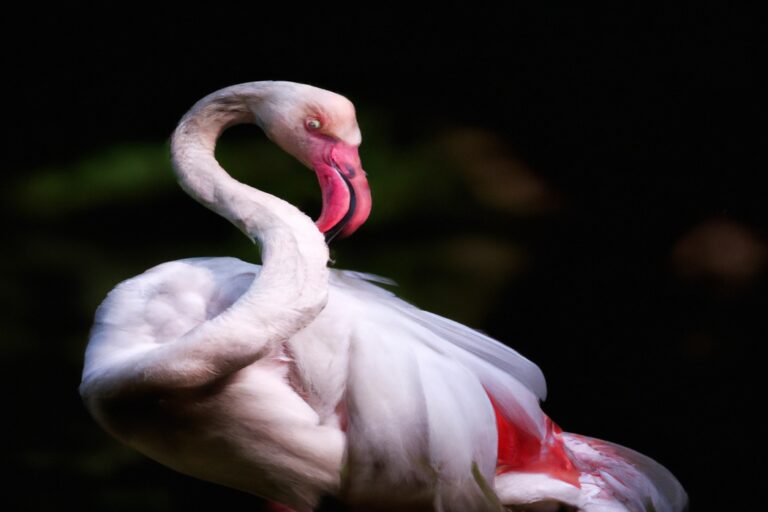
point(319, 128)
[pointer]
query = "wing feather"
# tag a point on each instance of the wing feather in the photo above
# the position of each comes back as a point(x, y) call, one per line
point(513, 380)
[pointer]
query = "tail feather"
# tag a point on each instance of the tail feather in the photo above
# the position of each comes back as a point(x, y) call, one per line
point(613, 476)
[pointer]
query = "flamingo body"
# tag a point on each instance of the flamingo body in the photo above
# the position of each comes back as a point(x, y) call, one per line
point(292, 381)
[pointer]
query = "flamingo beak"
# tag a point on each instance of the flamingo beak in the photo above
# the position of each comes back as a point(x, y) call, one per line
point(346, 194)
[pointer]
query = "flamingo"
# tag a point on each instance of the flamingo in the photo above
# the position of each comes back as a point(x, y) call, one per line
point(293, 381)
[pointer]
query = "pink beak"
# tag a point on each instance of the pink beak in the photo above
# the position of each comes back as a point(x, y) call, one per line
point(346, 194)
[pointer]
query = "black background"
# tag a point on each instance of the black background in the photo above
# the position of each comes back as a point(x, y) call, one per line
point(645, 120)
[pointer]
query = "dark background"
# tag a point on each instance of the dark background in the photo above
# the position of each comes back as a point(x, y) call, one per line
point(580, 183)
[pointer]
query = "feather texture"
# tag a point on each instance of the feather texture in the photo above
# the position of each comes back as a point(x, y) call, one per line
point(416, 395)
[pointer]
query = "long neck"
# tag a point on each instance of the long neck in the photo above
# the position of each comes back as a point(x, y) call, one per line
point(294, 254)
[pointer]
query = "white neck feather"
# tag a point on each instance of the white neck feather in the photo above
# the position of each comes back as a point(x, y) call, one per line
point(294, 253)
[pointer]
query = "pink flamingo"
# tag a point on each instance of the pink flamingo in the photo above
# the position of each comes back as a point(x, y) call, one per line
point(292, 381)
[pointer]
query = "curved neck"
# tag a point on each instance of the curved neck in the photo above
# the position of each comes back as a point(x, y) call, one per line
point(294, 253)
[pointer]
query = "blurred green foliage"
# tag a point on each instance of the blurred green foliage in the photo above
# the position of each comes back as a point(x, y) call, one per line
point(120, 174)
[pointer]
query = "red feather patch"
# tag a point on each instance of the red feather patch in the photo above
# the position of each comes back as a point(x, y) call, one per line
point(520, 451)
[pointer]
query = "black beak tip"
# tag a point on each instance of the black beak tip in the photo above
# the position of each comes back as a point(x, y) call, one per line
point(332, 233)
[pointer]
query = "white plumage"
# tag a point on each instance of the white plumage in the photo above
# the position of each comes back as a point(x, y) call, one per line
point(293, 382)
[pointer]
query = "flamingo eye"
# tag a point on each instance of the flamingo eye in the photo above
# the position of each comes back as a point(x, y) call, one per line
point(313, 123)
